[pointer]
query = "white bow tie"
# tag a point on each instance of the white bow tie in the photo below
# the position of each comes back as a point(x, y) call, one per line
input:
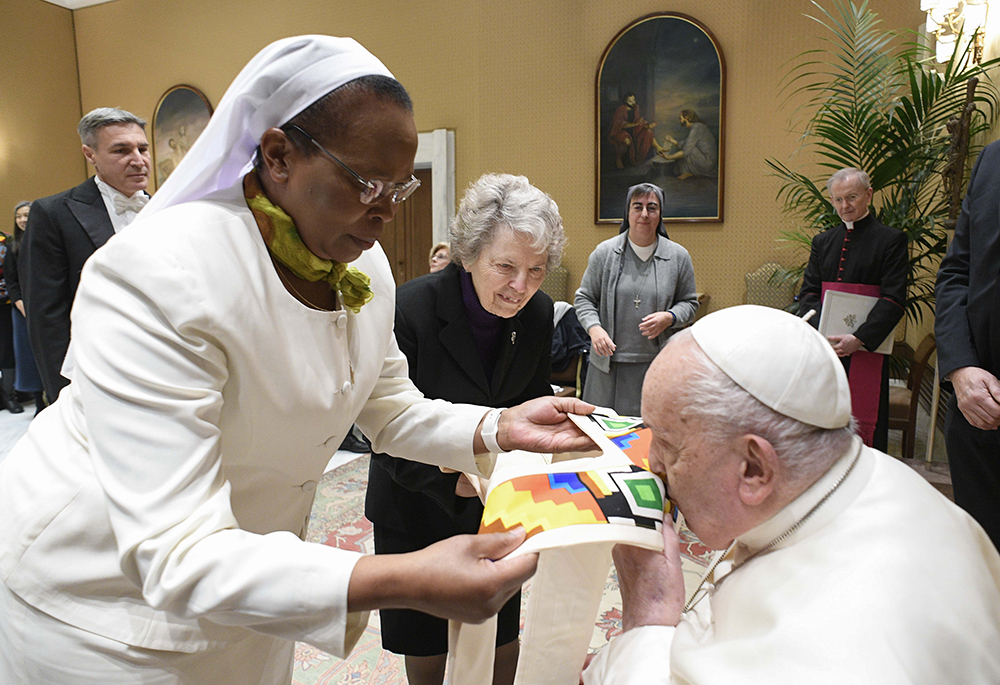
point(135, 203)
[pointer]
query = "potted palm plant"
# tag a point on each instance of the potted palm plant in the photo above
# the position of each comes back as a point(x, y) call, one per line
point(872, 98)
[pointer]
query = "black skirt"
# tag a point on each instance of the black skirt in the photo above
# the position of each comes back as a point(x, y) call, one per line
point(415, 633)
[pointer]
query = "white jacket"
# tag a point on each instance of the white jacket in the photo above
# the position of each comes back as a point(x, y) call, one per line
point(161, 501)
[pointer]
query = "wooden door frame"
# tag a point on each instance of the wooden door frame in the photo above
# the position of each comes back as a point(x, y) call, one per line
point(436, 151)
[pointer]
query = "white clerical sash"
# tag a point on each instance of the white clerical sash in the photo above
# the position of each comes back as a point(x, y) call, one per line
point(574, 511)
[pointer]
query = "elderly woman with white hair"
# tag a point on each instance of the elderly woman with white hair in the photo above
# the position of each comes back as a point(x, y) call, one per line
point(152, 521)
point(479, 331)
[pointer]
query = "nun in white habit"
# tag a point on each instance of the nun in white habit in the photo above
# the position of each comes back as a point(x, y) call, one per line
point(152, 521)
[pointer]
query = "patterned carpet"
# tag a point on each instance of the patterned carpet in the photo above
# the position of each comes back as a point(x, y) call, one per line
point(338, 520)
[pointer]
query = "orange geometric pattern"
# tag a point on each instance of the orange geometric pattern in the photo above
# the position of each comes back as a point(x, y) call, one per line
point(529, 501)
point(636, 446)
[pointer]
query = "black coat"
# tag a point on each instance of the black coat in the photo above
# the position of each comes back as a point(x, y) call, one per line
point(10, 274)
point(63, 231)
point(967, 318)
point(433, 332)
point(875, 255)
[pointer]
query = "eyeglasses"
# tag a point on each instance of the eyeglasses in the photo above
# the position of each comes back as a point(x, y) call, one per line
point(374, 190)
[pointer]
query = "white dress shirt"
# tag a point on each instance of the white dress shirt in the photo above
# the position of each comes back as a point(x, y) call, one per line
point(108, 194)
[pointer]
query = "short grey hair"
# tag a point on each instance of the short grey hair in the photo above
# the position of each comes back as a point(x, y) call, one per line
point(728, 411)
point(97, 119)
point(848, 174)
point(503, 201)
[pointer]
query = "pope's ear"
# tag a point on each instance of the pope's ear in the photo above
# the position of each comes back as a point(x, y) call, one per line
point(759, 469)
point(275, 149)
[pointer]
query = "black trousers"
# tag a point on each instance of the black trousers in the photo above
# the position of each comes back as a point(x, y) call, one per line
point(974, 460)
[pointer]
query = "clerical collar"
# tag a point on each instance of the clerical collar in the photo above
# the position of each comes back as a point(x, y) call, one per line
point(838, 497)
point(850, 224)
point(108, 194)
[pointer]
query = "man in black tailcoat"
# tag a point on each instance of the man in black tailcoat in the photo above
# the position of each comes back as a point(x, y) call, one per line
point(65, 229)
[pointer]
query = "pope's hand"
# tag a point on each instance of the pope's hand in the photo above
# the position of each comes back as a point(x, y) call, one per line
point(978, 394)
point(651, 583)
point(543, 425)
point(452, 579)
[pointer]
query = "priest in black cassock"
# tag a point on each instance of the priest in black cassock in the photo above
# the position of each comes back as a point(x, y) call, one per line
point(860, 255)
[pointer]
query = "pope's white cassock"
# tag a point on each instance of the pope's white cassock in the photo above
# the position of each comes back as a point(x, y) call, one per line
point(886, 582)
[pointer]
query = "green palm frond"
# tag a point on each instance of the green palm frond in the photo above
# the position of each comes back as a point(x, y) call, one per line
point(872, 98)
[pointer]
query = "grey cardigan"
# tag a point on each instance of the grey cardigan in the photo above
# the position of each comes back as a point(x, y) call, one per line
point(595, 300)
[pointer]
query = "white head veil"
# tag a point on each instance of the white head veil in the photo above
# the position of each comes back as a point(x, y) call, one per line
point(279, 82)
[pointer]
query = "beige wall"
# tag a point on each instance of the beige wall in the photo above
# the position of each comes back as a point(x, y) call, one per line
point(515, 80)
point(39, 104)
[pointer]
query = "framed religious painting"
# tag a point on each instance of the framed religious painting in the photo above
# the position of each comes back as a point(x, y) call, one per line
point(179, 118)
point(661, 87)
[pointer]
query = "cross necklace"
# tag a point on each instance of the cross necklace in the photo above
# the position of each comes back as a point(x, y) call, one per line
point(637, 300)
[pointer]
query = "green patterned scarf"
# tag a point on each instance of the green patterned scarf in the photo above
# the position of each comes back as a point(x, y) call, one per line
point(284, 242)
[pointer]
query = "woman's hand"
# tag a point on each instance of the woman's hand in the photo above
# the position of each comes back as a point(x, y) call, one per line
point(464, 487)
point(600, 342)
point(453, 579)
point(540, 425)
point(20, 307)
point(657, 322)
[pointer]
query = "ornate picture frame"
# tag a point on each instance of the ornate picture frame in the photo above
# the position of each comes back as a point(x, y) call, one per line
point(660, 118)
point(179, 118)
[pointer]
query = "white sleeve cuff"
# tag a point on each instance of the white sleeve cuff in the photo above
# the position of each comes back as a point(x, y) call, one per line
point(641, 656)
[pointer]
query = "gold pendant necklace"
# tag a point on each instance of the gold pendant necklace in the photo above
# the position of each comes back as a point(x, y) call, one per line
point(302, 298)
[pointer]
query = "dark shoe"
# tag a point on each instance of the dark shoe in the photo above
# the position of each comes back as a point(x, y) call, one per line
point(39, 402)
point(355, 444)
point(8, 397)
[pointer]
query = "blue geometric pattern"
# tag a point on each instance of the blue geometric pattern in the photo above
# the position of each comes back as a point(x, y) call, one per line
point(566, 481)
point(623, 442)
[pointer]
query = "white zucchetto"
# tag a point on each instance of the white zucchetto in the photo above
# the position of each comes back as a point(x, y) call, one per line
point(779, 359)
